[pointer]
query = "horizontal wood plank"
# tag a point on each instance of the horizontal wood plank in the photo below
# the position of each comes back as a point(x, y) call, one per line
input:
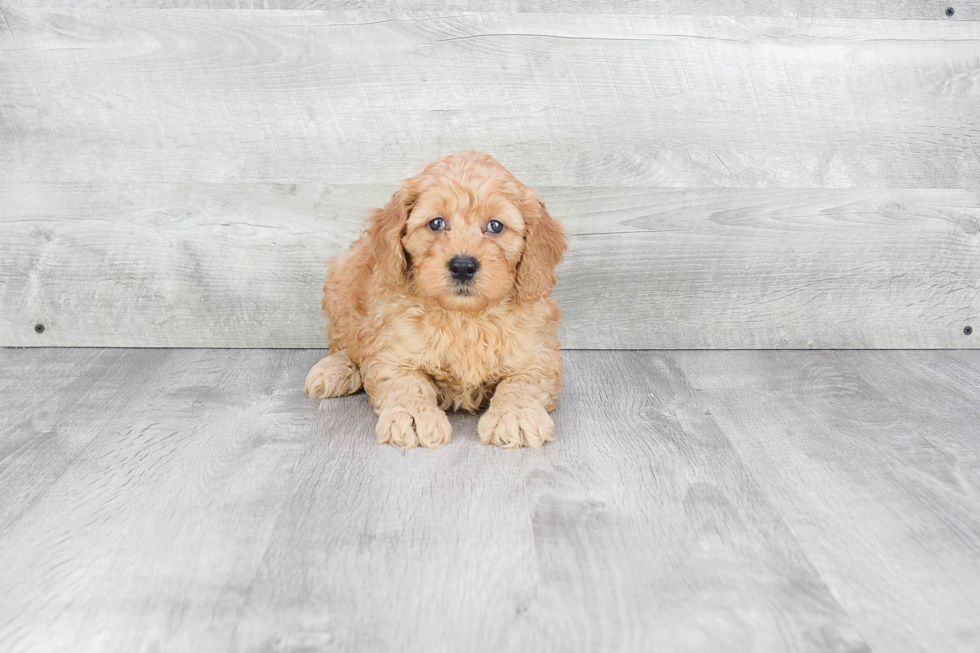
point(187, 95)
point(176, 177)
point(180, 265)
point(894, 9)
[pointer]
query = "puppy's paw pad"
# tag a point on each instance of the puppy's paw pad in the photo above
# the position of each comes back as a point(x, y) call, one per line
point(334, 376)
point(516, 426)
point(411, 426)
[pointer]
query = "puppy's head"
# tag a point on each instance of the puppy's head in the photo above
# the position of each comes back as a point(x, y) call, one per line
point(466, 234)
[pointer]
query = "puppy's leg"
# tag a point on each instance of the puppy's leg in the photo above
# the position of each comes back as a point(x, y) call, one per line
point(408, 414)
point(518, 414)
point(334, 376)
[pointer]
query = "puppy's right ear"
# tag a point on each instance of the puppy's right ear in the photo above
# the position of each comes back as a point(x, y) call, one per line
point(385, 229)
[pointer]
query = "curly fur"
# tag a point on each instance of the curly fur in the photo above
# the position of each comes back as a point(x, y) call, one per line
point(420, 342)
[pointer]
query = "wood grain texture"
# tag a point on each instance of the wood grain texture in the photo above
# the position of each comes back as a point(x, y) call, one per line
point(176, 175)
point(181, 95)
point(893, 9)
point(693, 501)
point(139, 491)
point(218, 265)
point(870, 457)
point(214, 508)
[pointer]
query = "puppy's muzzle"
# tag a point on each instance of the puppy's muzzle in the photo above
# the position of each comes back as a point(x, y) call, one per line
point(463, 268)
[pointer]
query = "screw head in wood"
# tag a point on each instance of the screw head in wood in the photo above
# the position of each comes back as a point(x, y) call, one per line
point(949, 11)
point(967, 330)
point(38, 328)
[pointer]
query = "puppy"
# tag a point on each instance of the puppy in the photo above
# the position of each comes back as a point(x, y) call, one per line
point(444, 302)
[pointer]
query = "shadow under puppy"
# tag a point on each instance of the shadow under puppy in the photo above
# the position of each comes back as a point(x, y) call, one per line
point(444, 303)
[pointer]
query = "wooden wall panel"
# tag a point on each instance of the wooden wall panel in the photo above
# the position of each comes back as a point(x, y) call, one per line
point(893, 9)
point(569, 100)
point(227, 265)
point(787, 175)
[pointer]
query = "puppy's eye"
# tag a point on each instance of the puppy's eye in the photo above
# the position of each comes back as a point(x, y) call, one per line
point(494, 227)
point(437, 225)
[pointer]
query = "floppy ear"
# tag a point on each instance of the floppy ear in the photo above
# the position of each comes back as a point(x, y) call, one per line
point(544, 247)
point(385, 230)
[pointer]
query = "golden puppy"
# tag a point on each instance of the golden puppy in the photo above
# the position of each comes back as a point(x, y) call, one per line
point(444, 303)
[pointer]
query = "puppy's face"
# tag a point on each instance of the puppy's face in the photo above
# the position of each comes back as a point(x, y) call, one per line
point(466, 234)
point(464, 243)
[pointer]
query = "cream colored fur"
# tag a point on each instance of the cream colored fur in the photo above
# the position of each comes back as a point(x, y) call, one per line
point(422, 343)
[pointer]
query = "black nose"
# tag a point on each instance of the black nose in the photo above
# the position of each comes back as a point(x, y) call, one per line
point(463, 267)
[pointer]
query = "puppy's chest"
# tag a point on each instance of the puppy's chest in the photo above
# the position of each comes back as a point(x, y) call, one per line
point(462, 354)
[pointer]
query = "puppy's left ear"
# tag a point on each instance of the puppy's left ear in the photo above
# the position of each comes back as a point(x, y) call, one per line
point(544, 248)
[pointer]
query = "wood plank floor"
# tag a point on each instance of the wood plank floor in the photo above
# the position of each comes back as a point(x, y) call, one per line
point(194, 500)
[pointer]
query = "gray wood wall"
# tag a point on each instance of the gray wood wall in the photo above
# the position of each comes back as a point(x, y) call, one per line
point(746, 174)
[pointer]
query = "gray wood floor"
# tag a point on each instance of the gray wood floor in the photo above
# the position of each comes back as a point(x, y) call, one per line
point(193, 500)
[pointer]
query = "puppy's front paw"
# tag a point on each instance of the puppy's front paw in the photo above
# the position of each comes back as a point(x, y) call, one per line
point(516, 425)
point(334, 376)
point(410, 426)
